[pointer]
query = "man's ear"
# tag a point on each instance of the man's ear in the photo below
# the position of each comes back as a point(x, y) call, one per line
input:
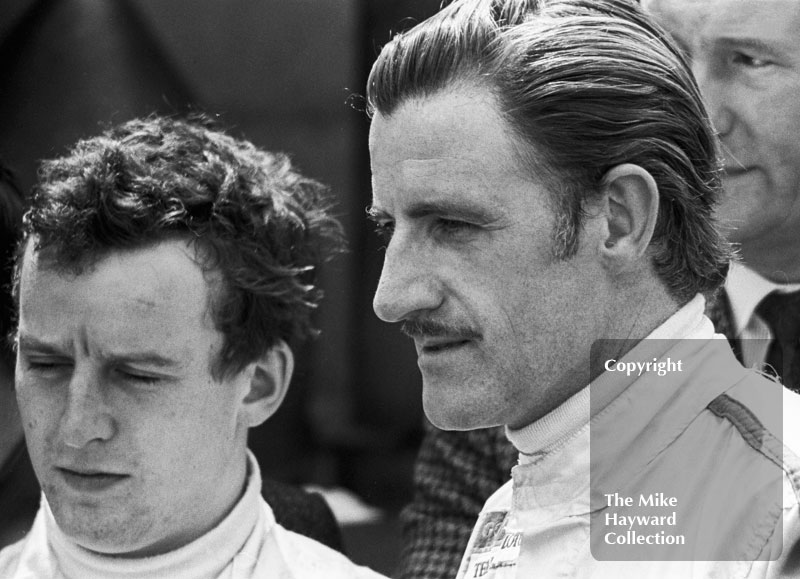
point(630, 211)
point(268, 384)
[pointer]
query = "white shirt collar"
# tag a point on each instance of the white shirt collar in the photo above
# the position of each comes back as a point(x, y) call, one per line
point(745, 289)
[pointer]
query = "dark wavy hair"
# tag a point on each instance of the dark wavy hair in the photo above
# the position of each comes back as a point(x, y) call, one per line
point(584, 85)
point(254, 221)
point(12, 203)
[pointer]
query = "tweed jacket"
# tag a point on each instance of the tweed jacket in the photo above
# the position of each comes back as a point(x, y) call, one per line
point(457, 471)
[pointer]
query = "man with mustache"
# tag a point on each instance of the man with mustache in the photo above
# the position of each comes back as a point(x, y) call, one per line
point(747, 63)
point(165, 270)
point(546, 175)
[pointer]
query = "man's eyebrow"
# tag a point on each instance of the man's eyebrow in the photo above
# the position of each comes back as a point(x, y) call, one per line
point(147, 357)
point(465, 209)
point(453, 208)
point(30, 343)
point(752, 43)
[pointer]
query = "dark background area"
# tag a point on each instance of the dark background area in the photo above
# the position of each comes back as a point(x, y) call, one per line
point(288, 76)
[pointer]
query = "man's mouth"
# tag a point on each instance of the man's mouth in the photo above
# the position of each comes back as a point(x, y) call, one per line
point(90, 480)
point(433, 346)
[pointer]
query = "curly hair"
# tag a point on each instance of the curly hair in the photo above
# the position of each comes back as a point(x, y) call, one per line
point(11, 209)
point(584, 85)
point(254, 221)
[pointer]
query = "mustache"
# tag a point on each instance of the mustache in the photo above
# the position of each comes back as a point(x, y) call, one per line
point(422, 328)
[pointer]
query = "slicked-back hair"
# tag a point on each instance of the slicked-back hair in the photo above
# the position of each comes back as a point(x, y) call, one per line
point(260, 229)
point(11, 208)
point(583, 86)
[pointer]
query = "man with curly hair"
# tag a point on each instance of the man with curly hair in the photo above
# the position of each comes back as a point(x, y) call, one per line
point(166, 271)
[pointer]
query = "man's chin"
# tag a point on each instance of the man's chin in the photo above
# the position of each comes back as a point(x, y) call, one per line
point(98, 537)
point(758, 230)
point(745, 213)
point(105, 532)
point(448, 414)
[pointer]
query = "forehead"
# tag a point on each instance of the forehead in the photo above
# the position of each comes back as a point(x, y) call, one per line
point(699, 23)
point(453, 143)
point(157, 294)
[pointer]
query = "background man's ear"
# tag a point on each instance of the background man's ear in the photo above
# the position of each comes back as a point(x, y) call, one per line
point(268, 384)
point(631, 211)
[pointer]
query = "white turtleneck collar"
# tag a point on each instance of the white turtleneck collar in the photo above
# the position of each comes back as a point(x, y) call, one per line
point(203, 558)
point(247, 543)
point(567, 420)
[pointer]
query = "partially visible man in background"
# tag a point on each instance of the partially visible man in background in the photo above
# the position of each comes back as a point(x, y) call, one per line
point(166, 269)
point(746, 58)
point(457, 471)
point(19, 490)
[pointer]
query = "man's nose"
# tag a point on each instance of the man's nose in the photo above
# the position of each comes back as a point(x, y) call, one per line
point(718, 96)
point(86, 417)
point(408, 282)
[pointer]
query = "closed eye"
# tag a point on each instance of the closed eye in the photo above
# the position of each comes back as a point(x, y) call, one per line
point(454, 227)
point(47, 364)
point(137, 377)
point(746, 60)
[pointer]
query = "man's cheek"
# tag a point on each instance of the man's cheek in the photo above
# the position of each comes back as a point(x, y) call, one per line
point(34, 415)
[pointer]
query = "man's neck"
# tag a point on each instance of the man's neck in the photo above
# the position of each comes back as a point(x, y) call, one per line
point(564, 420)
point(638, 313)
point(630, 314)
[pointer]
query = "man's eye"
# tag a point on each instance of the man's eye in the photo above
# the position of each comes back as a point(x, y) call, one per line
point(743, 59)
point(385, 230)
point(47, 365)
point(137, 377)
point(454, 226)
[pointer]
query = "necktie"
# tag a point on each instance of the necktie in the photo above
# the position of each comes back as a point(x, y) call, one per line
point(718, 309)
point(781, 312)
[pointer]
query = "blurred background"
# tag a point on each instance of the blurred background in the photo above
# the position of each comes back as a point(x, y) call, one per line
point(288, 76)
